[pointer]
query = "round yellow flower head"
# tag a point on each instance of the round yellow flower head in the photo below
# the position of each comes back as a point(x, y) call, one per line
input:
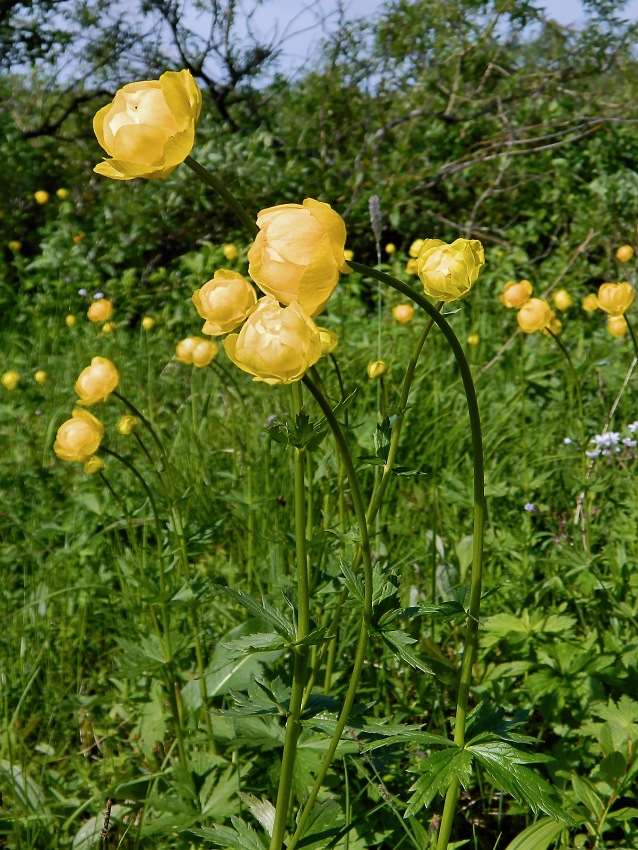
point(62, 193)
point(403, 313)
point(624, 253)
point(100, 310)
point(615, 298)
point(348, 255)
point(377, 369)
point(148, 322)
point(184, 349)
point(41, 197)
point(329, 340)
point(94, 465)
point(448, 272)
point(534, 315)
point(149, 128)
point(473, 340)
point(562, 299)
point(14, 245)
point(415, 248)
point(590, 303)
point(40, 377)
point(97, 381)
point(79, 237)
point(390, 248)
point(554, 327)
point(204, 353)
point(276, 344)
point(225, 302)
point(108, 327)
point(10, 380)
point(411, 267)
point(70, 320)
point(515, 294)
point(298, 253)
point(230, 251)
point(78, 438)
point(127, 424)
point(617, 326)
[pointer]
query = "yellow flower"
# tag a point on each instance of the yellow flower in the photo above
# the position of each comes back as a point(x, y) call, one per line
point(149, 128)
point(94, 465)
point(97, 381)
point(184, 349)
point(624, 253)
point(348, 255)
point(562, 299)
point(276, 344)
point(390, 248)
point(108, 327)
point(617, 326)
point(79, 237)
point(70, 320)
point(41, 197)
point(329, 340)
point(590, 303)
point(100, 310)
point(299, 253)
point(62, 193)
point(127, 424)
point(14, 245)
point(411, 267)
point(148, 322)
point(534, 315)
point(10, 380)
point(40, 376)
point(403, 313)
point(377, 369)
point(230, 251)
point(448, 272)
point(473, 339)
point(415, 247)
point(615, 298)
point(225, 302)
point(515, 294)
point(79, 438)
point(554, 327)
point(204, 352)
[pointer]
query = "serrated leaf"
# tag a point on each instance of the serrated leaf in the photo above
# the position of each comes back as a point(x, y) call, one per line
point(262, 810)
point(438, 772)
point(264, 611)
point(401, 644)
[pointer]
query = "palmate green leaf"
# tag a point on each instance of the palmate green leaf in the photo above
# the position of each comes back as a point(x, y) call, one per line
point(401, 644)
point(438, 771)
point(539, 836)
point(487, 717)
point(262, 698)
point(263, 611)
point(261, 642)
point(262, 810)
point(240, 837)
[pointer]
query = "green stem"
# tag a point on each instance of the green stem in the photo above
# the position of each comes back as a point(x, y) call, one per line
point(362, 642)
point(215, 183)
point(471, 633)
point(293, 723)
point(632, 333)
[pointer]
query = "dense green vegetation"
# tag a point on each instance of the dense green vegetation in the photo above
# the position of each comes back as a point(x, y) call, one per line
point(473, 119)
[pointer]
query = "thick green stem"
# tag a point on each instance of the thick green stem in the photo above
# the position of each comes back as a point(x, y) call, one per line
point(471, 634)
point(293, 723)
point(215, 183)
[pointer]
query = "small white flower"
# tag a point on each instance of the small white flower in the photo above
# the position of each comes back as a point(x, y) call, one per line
point(633, 427)
point(629, 442)
point(530, 507)
point(82, 292)
point(610, 440)
point(592, 455)
point(567, 441)
point(98, 295)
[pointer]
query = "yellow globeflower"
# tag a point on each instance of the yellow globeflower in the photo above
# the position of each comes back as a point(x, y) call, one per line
point(148, 322)
point(62, 193)
point(276, 344)
point(184, 349)
point(230, 251)
point(100, 310)
point(615, 298)
point(390, 248)
point(40, 377)
point(348, 255)
point(624, 253)
point(94, 465)
point(79, 438)
point(149, 128)
point(590, 303)
point(534, 315)
point(377, 369)
point(617, 326)
point(225, 302)
point(14, 245)
point(41, 197)
point(127, 424)
point(562, 299)
point(70, 320)
point(415, 247)
point(515, 294)
point(108, 327)
point(204, 352)
point(97, 381)
point(79, 237)
point(298, 253)
point(329, 340)
point(448, 272)
point(403, 313)
point(10, 380)
point(411, 267)
point(473, 340)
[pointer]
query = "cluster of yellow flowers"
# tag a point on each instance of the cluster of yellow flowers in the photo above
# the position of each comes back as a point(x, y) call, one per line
point(11, 379)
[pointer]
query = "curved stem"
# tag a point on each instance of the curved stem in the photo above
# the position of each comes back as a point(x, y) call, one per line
point(471, 633)
point(215, 183)
point(632, 333)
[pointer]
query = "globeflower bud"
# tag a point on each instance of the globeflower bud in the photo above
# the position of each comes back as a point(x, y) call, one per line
point(562, 299)
point(298, 253)
point(377, 369)
point(534, 315)
point(149, 128)
point(62, 193)
point(411, 267)
point(225, 302)
point(100, 310)
point(230, 251)
point(70, 321)
point(473, 340)
point(590, 303)
point(97, 381)
point(615, 298)
point(40, 376)
point(78, 438)
point(276, 344)
point(94, 465)
point(184, 349)
point(108, 327)
point(348, 255)
point(624, 253)
point(403, 313)
point(515, 294)
point(41, 197)
point(329, 340)
point(127, 424)
point(14, 246)
point(148, 322)
point(415, 248)
point(204, 353)
point(10, 380)
point(617, 326)
point(448, 272)
point(390, 248)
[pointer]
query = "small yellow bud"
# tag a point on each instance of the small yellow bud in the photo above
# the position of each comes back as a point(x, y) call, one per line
point(70, 320)
point(390, 248)
point(79, 237)
point(515, 294)
point(41, 197)
point(617, 326)
point(148, 322)
point(348, 255)
point(108, 327)
point(40, 376)
point(94, 465)
point(377, 369)
point(14, 245)
point(415, 247)
point(127, 424)
point(624, 253)
point(10, 380)
point(62, 193)
point(403, 313)
point(473, 339)
point(230, 251)
point(204, 353)
point(562, 299)
point(590, 303)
